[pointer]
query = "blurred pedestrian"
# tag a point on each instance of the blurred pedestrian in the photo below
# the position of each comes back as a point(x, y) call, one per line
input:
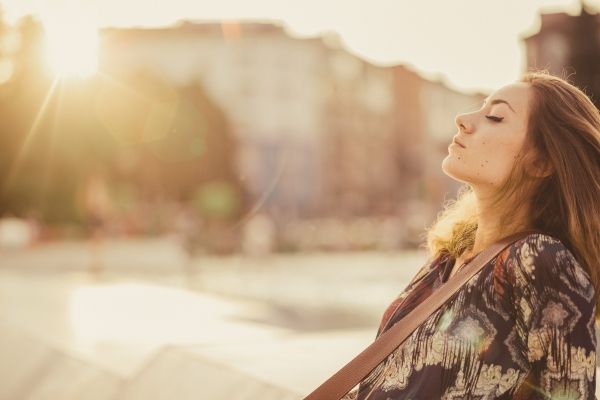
point(97, 209)
point(258, 235)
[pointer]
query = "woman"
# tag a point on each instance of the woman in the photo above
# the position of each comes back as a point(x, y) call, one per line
point(524, 326)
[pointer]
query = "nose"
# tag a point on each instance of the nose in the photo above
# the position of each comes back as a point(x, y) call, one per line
point(462, 123)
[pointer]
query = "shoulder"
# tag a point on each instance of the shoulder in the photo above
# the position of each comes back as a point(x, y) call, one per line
point(537, 243)
point(541, 260)
point(542, 249)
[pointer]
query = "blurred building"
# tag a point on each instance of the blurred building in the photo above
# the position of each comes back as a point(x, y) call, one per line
point(361, 139)
point(549, 47)
point(268, 84)
point(321, 132)
point(568, 45)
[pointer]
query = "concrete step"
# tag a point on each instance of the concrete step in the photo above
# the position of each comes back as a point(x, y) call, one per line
point(31, 369)
point(179, 374)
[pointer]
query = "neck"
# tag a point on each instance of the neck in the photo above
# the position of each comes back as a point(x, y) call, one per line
point(489, 227)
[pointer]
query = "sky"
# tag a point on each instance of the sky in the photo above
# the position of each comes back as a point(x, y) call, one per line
point(472, 45)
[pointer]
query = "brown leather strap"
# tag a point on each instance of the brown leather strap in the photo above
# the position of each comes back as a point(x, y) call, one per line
point(353, 372)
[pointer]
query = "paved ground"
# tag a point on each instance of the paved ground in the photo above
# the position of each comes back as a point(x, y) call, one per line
point(124, 327)
point(278, 324)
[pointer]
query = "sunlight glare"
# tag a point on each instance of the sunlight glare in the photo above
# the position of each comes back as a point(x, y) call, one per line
point(72, 46)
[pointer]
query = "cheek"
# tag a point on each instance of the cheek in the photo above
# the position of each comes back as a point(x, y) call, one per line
point(496, 160)
point(498, 148)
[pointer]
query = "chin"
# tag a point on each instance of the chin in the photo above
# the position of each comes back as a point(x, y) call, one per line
point(450, 169)
point(447, 165)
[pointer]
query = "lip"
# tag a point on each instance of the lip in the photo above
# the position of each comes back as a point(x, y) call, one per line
point(454, 140)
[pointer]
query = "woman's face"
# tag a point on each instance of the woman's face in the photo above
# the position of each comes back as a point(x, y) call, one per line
point(492, 137)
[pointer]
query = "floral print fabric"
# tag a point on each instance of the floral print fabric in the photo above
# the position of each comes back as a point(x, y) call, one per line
point(523, 327)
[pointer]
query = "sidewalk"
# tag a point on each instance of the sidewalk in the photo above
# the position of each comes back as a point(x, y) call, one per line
point(306, 291)
point(128, 340)
point(139, 332)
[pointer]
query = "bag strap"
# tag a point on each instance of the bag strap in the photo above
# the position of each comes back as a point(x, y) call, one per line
point(353, 372)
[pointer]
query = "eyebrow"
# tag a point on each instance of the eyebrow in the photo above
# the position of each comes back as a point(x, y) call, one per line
point(498, 101)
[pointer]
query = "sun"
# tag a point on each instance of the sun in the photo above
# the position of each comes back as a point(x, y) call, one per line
point(71, 46)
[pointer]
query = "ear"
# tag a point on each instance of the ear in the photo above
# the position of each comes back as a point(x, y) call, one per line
point(541, 167)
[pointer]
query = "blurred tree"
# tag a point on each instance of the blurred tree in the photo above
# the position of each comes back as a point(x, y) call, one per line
point(4, 33)
point(164, 143)
point(199, 147)
point(50, 139)
point(174, 138)
point(176, 144)
point(20, 99)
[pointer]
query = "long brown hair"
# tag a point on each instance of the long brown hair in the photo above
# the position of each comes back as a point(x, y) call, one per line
point(563, 135)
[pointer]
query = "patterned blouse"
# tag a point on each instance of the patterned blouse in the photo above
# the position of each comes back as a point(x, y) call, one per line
point(523, 327)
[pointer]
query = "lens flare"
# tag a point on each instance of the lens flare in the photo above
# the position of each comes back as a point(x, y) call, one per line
point(71, 45)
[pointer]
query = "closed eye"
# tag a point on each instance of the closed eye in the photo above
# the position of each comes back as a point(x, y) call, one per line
point(494, 118)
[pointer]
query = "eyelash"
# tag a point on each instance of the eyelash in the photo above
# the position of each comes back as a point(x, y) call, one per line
point(493, 118)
